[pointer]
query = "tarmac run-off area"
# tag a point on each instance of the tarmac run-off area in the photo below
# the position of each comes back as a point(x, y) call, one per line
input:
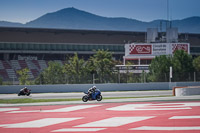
point(127, 117)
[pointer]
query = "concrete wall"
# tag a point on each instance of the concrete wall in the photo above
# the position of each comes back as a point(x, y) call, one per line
point(187, 91)
point(102, 87)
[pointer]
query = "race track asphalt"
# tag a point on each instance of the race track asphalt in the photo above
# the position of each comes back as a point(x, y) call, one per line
point(79, 95)
point(136, 96)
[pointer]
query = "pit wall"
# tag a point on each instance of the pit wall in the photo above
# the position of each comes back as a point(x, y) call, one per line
point(9, 89)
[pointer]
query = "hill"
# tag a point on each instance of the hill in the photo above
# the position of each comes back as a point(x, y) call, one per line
point(72, 18)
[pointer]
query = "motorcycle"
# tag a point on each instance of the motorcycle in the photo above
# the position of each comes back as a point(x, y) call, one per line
point(21, 92)
point(94, 96)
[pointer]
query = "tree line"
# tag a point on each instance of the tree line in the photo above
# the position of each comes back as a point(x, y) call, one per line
point(100, 68)
point(76, 70)
point(184, 67)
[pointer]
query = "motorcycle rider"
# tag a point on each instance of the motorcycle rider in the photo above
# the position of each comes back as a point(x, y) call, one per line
point(91, 90)
point(25, 90)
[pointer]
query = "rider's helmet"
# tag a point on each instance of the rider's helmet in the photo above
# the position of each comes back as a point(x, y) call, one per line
point(94, 87)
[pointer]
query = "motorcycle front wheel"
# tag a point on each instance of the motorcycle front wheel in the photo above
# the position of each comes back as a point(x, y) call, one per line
point(99, 97)
point(84, 98)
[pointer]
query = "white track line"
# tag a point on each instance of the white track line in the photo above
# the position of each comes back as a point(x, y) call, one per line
point(30, 111)
point(8, 109)
point(166, 128)
point(73, 108)
point(185, 117)
point(133, 107)
point(114, 121)
point(39, 123)
point(79, 130)
point(66, 109)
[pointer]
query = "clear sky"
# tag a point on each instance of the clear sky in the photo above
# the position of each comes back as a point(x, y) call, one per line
point(145, 10)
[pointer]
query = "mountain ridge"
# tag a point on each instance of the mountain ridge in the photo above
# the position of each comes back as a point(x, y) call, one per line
point(72, 18)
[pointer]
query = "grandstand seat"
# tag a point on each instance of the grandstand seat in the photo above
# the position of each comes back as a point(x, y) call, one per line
point(6, 64)
point(36, 63)
point(8, 68)
point(23, 64)
point(30, 75)
point(42, 64)
point(31, 65)
point(47, 63)
point(1, 65)
point(11, 73)
point(3, 74)
point(35, 73)
point(15, 64)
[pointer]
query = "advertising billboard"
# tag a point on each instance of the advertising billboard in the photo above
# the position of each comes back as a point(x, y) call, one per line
point(140, 49)
point(180, 46)
point(155, 49)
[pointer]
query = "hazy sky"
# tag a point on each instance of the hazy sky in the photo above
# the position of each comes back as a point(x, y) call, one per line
point(145, 10)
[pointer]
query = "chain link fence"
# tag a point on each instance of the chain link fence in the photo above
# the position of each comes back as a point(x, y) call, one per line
point(133, 78)
point(117, 77)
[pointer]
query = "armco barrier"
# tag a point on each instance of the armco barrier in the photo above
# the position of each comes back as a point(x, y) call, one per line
point(187, 91)
point(102, 87)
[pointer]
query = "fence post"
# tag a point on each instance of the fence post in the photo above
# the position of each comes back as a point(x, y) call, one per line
point(170, 74)
point(118, 76)
point(93, 77)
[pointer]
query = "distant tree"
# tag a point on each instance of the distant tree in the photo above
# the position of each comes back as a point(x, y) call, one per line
point(39, 79)
point(1, 81)
point(117, 77)
point(103, 64)
point(130, 78)
point(91, 65)
point(23, 76)
point(159, 68)
point(196, 64)
point(91, 69)
point(53, 73)
point(182, 65)
point(75, 69)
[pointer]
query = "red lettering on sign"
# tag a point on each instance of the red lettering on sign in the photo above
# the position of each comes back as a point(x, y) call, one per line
point(176, 47)
point(140, 49)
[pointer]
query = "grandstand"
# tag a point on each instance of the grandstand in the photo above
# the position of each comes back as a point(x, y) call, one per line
point(33, 48)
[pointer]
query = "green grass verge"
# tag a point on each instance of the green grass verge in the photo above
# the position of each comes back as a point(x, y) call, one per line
point(28, 100)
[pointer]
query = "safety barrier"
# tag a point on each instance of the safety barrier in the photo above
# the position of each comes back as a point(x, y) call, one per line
point(103, 87)
point(187, 91)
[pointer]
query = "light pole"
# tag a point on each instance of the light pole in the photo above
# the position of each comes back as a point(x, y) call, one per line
point(170, 73)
